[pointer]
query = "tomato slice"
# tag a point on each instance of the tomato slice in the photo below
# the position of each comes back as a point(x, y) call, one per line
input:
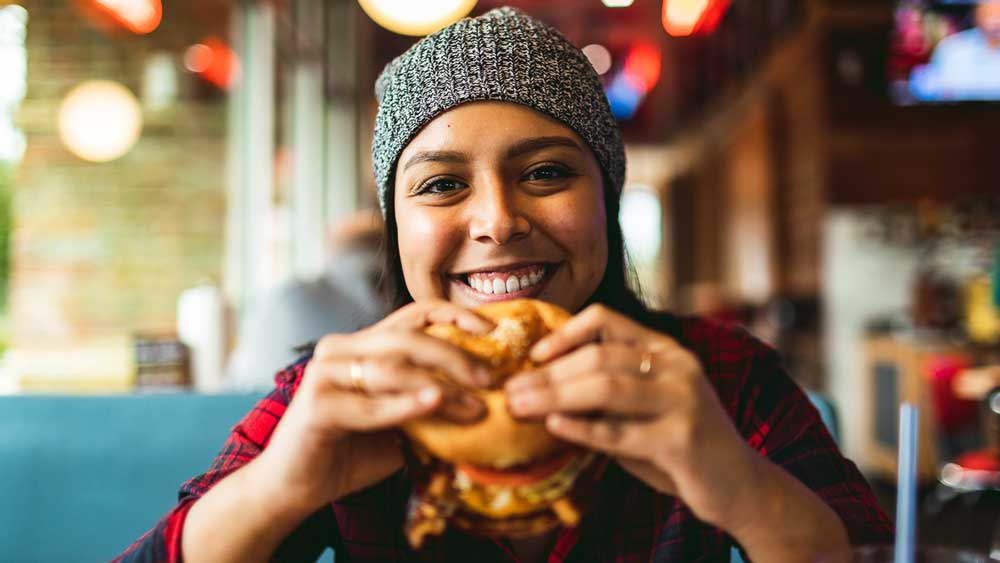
point(519, 477)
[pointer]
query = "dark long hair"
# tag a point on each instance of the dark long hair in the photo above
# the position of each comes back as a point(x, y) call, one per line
point(613, 291)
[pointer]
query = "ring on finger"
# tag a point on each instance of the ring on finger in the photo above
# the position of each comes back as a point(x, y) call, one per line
point(646, 363)
point(358, 378)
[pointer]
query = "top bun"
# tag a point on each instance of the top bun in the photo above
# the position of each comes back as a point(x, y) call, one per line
point(496, 441)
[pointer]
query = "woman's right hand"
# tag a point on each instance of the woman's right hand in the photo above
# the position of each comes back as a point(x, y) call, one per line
point(333, 439)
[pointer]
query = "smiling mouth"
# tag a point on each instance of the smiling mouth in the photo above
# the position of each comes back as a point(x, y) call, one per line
point(518, 281)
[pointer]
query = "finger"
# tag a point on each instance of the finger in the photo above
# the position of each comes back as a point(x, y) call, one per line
point(380, 376)
point(460, 406)
point(596, 323)
point(357, 412)
point(425, 313)
point(588, 358)
point(426, 351)
point(609, 435)
point(616, 393)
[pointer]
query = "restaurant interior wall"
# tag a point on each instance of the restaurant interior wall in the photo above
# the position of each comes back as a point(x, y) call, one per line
point(101, 251)
point(829, 149)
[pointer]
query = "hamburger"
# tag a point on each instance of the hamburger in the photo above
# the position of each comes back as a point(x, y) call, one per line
point(498, 477)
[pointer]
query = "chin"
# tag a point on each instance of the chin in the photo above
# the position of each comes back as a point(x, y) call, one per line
point(499, 477)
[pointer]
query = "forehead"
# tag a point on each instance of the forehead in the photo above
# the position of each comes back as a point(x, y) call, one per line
point(478, 125)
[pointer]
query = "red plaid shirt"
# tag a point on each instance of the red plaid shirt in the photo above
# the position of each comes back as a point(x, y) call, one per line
point(629, 521)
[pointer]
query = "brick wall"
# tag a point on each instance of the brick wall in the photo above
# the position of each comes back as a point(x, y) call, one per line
point(103, 250)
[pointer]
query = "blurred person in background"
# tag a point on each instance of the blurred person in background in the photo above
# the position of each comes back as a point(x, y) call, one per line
point(497, 157)
point(343, 299)
point(965, 65)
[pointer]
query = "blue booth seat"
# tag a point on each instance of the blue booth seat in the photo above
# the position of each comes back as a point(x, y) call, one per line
point(83, 477)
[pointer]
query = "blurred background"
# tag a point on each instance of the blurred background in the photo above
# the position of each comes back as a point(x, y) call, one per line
point(177, 175)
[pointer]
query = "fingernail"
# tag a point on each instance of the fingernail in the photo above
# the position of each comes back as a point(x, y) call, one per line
point(428, 396)
point(554, 422)
point(520, 382)
point(540, 350)
point(522, 403)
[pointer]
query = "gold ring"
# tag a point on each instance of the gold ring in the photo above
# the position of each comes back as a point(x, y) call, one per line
point(646, 363)
point(358, 378)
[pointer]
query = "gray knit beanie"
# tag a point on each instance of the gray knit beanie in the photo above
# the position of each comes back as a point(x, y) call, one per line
point(502, 55)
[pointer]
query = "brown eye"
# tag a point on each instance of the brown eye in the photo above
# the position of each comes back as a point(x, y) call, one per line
point(546, 173)
point(440, 186)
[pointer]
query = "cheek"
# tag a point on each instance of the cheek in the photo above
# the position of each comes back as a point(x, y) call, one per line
point(580, 226)
point(424, 245)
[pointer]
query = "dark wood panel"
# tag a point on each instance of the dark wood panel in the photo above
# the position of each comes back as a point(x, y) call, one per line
point(897, 169)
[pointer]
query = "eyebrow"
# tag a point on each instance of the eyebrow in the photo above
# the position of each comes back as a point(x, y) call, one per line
point(538, 143)
point(519, 149)
point(435, 156)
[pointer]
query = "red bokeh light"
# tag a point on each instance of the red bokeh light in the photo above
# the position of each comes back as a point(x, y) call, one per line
point(214, 61)
point(642, 66)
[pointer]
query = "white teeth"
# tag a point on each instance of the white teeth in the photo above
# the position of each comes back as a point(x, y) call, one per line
point(513, 284)
point(500, 285)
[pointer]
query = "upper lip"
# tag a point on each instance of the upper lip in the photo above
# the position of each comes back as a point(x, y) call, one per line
point(502, 268)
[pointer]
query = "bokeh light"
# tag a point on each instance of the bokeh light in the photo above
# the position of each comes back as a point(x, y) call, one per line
point(641, 217)
point(680, 17)
point(617, 3)
point(138, 16)
point(99, 120)
point(599, 57)
point(416, 17)
point(643, 65)
point(692, 17)
point(214, 61)
point(198, 58)
point(638, 76)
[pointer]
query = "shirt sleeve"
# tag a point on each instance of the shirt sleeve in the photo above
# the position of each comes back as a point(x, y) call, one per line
point(248, 438)
point(780, 422)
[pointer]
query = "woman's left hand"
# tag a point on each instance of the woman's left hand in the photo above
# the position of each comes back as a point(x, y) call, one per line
point(610, 384)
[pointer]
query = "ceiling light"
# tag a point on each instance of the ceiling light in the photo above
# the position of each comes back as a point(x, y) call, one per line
point(99, 120)
point(416, 17)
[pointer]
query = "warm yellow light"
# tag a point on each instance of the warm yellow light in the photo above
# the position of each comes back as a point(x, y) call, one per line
point(416, 17)
point(99, 120)
point(139, 16)
point(681, 16)
point(617, 3)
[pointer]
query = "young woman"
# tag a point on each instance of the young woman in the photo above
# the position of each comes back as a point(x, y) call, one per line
point(497, 159)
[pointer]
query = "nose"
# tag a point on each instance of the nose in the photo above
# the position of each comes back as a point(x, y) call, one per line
point(497, 216)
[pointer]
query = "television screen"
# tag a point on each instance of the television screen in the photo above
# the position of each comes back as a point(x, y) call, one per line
point(945, 51)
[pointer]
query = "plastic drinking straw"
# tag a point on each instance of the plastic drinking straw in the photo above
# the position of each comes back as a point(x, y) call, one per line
point(906, 485)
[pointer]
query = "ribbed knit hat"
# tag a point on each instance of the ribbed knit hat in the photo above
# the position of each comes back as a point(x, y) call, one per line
point(502, 55)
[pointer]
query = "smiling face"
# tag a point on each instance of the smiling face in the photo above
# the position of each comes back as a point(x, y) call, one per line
point(496, 201)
